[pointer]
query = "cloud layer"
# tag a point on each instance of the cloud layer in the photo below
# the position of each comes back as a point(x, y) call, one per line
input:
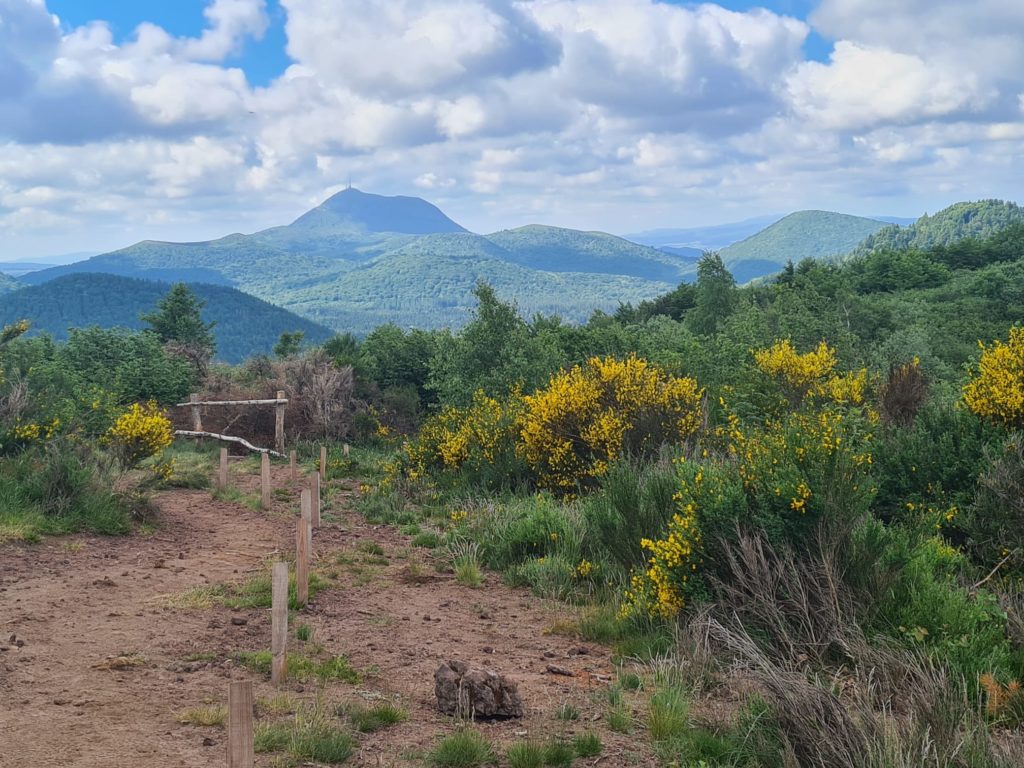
point(612, 114)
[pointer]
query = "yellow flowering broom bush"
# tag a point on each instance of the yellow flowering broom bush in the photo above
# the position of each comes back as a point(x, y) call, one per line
point(140, 432)
point(781, 477)
point(479, 440)
point(996, 391)
point(591, 415)
point(811, 374)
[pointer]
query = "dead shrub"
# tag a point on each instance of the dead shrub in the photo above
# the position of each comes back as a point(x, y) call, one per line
point(902, 394)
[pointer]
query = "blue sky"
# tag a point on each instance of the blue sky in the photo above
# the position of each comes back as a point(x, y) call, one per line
point(185, 120)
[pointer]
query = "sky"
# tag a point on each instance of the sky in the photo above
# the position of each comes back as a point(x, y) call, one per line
point(123, 120)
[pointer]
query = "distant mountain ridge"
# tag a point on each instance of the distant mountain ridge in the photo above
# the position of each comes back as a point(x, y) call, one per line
point(244, 325)
point(358, 260)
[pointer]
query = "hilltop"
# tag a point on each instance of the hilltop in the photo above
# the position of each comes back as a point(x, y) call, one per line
point(245, 326)
point(798, 236)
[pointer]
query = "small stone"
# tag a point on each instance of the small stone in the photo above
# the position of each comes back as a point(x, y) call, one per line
point(426, 617)
point(239, 621)
point(554, 670)
point(208, 742)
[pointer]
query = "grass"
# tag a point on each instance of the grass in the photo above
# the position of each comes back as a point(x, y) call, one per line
point(271, 737)
point(303, 633)
point(427, 540)
point(619, 718)
point(321, 743)
point(669, 714)
point(466, 563)
point(213, 715)
point(525, 754)
point(558, 754)
point(370, 719)
point(463, 749)
point(370, 548)
point(233, 495)
point(280, 704)
point(302, 667)
point(201, 656)
point(587, 744)
point(567, 712)
point(309, 737)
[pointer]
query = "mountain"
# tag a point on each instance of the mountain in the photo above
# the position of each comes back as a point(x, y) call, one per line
point(352, 210)
point(798, 236)
point(8, 284)
point(950, 225)
point(568, 250)
point(712, 238)
point(245, 325)
point(359, 260)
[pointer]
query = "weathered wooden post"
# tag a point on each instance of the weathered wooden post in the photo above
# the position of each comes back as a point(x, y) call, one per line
point(344, 450)
point(279, 624)
point(306, 513)
point(265, 481)
point(197, 419)
point(240, 733)
point(279, 422)
point(315, 519)
point(293, 464)
point(323, 462)
point(302, 545)
point(222, 477)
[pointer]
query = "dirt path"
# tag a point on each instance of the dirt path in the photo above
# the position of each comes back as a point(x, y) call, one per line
point(71, 604)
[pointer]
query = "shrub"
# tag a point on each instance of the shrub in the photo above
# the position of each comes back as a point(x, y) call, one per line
point(996, 390)
point(902, 394)
point(995, 522)
point(811, 374)
point(593, 414)
point(478, 441)
point(635, 502)
point(139, 433)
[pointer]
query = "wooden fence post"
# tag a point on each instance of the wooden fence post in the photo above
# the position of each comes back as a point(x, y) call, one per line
point(306, 513)
point(302, 544)
point(222, 477)
point(315, 518)
point(279, 624)
point(344, 450)
point(293, 464)
point(240, 733)
point(279, 423)
point(323, 462)
point(197, 419)
point(265, 481)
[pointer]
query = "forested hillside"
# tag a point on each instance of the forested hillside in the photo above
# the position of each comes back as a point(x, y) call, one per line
point(958, 221)
point(801, 235)
point(244, 325)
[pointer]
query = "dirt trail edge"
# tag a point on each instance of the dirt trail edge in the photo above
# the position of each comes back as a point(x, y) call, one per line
point(96, 667)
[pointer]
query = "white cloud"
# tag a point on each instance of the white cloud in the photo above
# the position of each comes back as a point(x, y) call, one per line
point(614, 114)
point(861, 87)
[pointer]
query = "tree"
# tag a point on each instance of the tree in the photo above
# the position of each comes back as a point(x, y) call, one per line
point(495, 352)
point(178, 322)
point(715, 296)
point(289, 344)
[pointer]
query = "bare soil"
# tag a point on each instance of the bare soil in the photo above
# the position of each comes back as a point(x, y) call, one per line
point(96, 666)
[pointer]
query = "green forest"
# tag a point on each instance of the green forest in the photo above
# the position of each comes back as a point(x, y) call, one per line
point(802, 497)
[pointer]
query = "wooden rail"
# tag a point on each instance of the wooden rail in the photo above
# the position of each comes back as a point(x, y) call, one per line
point(279, 402)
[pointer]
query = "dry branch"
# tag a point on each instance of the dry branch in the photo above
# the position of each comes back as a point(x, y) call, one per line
point(274, 401)
point(227, 439)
